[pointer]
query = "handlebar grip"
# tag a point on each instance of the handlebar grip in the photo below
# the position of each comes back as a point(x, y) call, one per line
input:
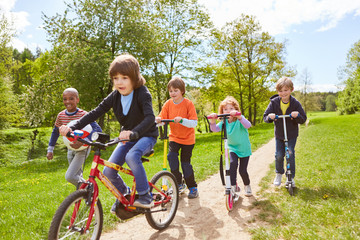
point(134, 136)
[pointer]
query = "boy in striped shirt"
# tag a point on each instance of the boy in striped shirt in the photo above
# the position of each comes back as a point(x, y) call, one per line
point(76, 158)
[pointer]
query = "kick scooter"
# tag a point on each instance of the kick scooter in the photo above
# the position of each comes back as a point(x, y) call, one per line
point(165, 138)
point(230, 195)
point(288, 184)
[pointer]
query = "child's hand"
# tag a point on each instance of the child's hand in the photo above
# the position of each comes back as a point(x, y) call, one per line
point(125, 134)
point(49, 155)
point(272, 116)
point(233, 114)
point(177, 119)
point(63, 130)
point(158, 119)
point(76, 144)
point(212, 118)
point(294, 114)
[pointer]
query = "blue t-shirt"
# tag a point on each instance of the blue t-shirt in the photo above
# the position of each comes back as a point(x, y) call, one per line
point(238, 138)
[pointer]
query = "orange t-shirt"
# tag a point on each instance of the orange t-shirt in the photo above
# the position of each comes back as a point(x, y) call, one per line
point(179, 133)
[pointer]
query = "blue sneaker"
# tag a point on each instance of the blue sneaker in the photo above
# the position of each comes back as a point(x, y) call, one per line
point(114, 206)
point(193, 192)
point(144, 201)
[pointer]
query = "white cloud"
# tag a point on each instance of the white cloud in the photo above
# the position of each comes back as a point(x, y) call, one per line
point(277, 16)
point(19, 21)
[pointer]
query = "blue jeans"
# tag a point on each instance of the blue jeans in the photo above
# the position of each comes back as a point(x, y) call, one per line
point(280, 154)
point(131, 153)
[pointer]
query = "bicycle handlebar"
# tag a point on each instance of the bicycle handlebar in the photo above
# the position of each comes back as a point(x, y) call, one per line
point(78, 133)
point(282, 116)
point(224, 115)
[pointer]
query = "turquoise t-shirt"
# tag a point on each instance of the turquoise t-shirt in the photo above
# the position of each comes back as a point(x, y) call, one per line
point(238, 138)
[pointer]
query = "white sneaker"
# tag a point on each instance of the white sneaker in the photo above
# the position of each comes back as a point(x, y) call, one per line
point(277, 180)
point(248, 192)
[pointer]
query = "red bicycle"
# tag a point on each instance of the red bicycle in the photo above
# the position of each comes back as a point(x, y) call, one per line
point(80, 215)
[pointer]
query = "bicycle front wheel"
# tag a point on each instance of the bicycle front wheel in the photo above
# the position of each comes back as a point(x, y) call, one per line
point(61, 228)
point(161, 215)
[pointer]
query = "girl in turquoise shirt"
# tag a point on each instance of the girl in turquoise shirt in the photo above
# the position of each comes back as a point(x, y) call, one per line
point(238, 141)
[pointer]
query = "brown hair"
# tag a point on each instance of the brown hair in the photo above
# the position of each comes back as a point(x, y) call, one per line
point(229, 100)
point(284, 82)
point(127, 65)
point(177, 82)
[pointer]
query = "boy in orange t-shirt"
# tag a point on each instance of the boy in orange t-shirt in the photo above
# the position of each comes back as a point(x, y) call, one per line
point(182, 134)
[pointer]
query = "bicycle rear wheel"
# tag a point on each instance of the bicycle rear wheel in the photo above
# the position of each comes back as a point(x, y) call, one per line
point(161, 215)
point(229, 201)
point(60, 226)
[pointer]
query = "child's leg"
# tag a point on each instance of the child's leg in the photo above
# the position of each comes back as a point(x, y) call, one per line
point(76, 160)
point(234, 160)
point(118, 157)
point(243, 170)
point(133, 160)
point(185, 158)
point(173, 159)
point(279, 156)
point(291, 145)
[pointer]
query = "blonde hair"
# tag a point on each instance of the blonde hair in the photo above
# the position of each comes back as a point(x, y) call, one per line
point(127, 65)
point(284, 82)
point(229, 100)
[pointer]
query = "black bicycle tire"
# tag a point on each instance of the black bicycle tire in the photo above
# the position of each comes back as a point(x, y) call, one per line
point(59, 216)
point(149, 215)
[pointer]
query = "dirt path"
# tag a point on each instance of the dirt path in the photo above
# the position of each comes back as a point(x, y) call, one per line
point(206, 217)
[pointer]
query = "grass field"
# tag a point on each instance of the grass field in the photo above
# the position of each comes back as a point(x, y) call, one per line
point(32, 187)
point(327, 201)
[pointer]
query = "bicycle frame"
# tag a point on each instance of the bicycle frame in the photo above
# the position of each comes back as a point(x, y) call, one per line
point(96, 173)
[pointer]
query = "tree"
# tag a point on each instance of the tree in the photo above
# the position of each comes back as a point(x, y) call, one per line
point(178, 29)
point(330, 103)
point(349, 99)
point(88, 36)
point(253, 61)
point(8, 106)
point(305, 81)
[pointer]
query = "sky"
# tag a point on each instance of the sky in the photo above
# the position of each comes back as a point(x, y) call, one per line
point(318, 33)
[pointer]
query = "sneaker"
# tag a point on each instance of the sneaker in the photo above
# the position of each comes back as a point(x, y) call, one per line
point(128, 192)
point(193, 192)
point(182, 187)
point(277, 180)
point(248, 192)
point(235, 188)
point(144, 201)
point(114, 206)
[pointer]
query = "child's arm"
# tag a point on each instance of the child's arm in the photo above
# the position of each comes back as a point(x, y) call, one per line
point(186, 122)
point(53, 139)
point(246, 123)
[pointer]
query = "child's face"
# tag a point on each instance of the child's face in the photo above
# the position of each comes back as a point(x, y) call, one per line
point(285, 93)
point(70, 101)
point(123, 84)
point(175, 94)
point(228, 108)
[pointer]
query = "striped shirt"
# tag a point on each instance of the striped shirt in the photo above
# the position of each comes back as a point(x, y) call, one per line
point(63, 118)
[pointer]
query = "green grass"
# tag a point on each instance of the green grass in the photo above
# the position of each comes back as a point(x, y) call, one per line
point(327, 201)
point(32, 187)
